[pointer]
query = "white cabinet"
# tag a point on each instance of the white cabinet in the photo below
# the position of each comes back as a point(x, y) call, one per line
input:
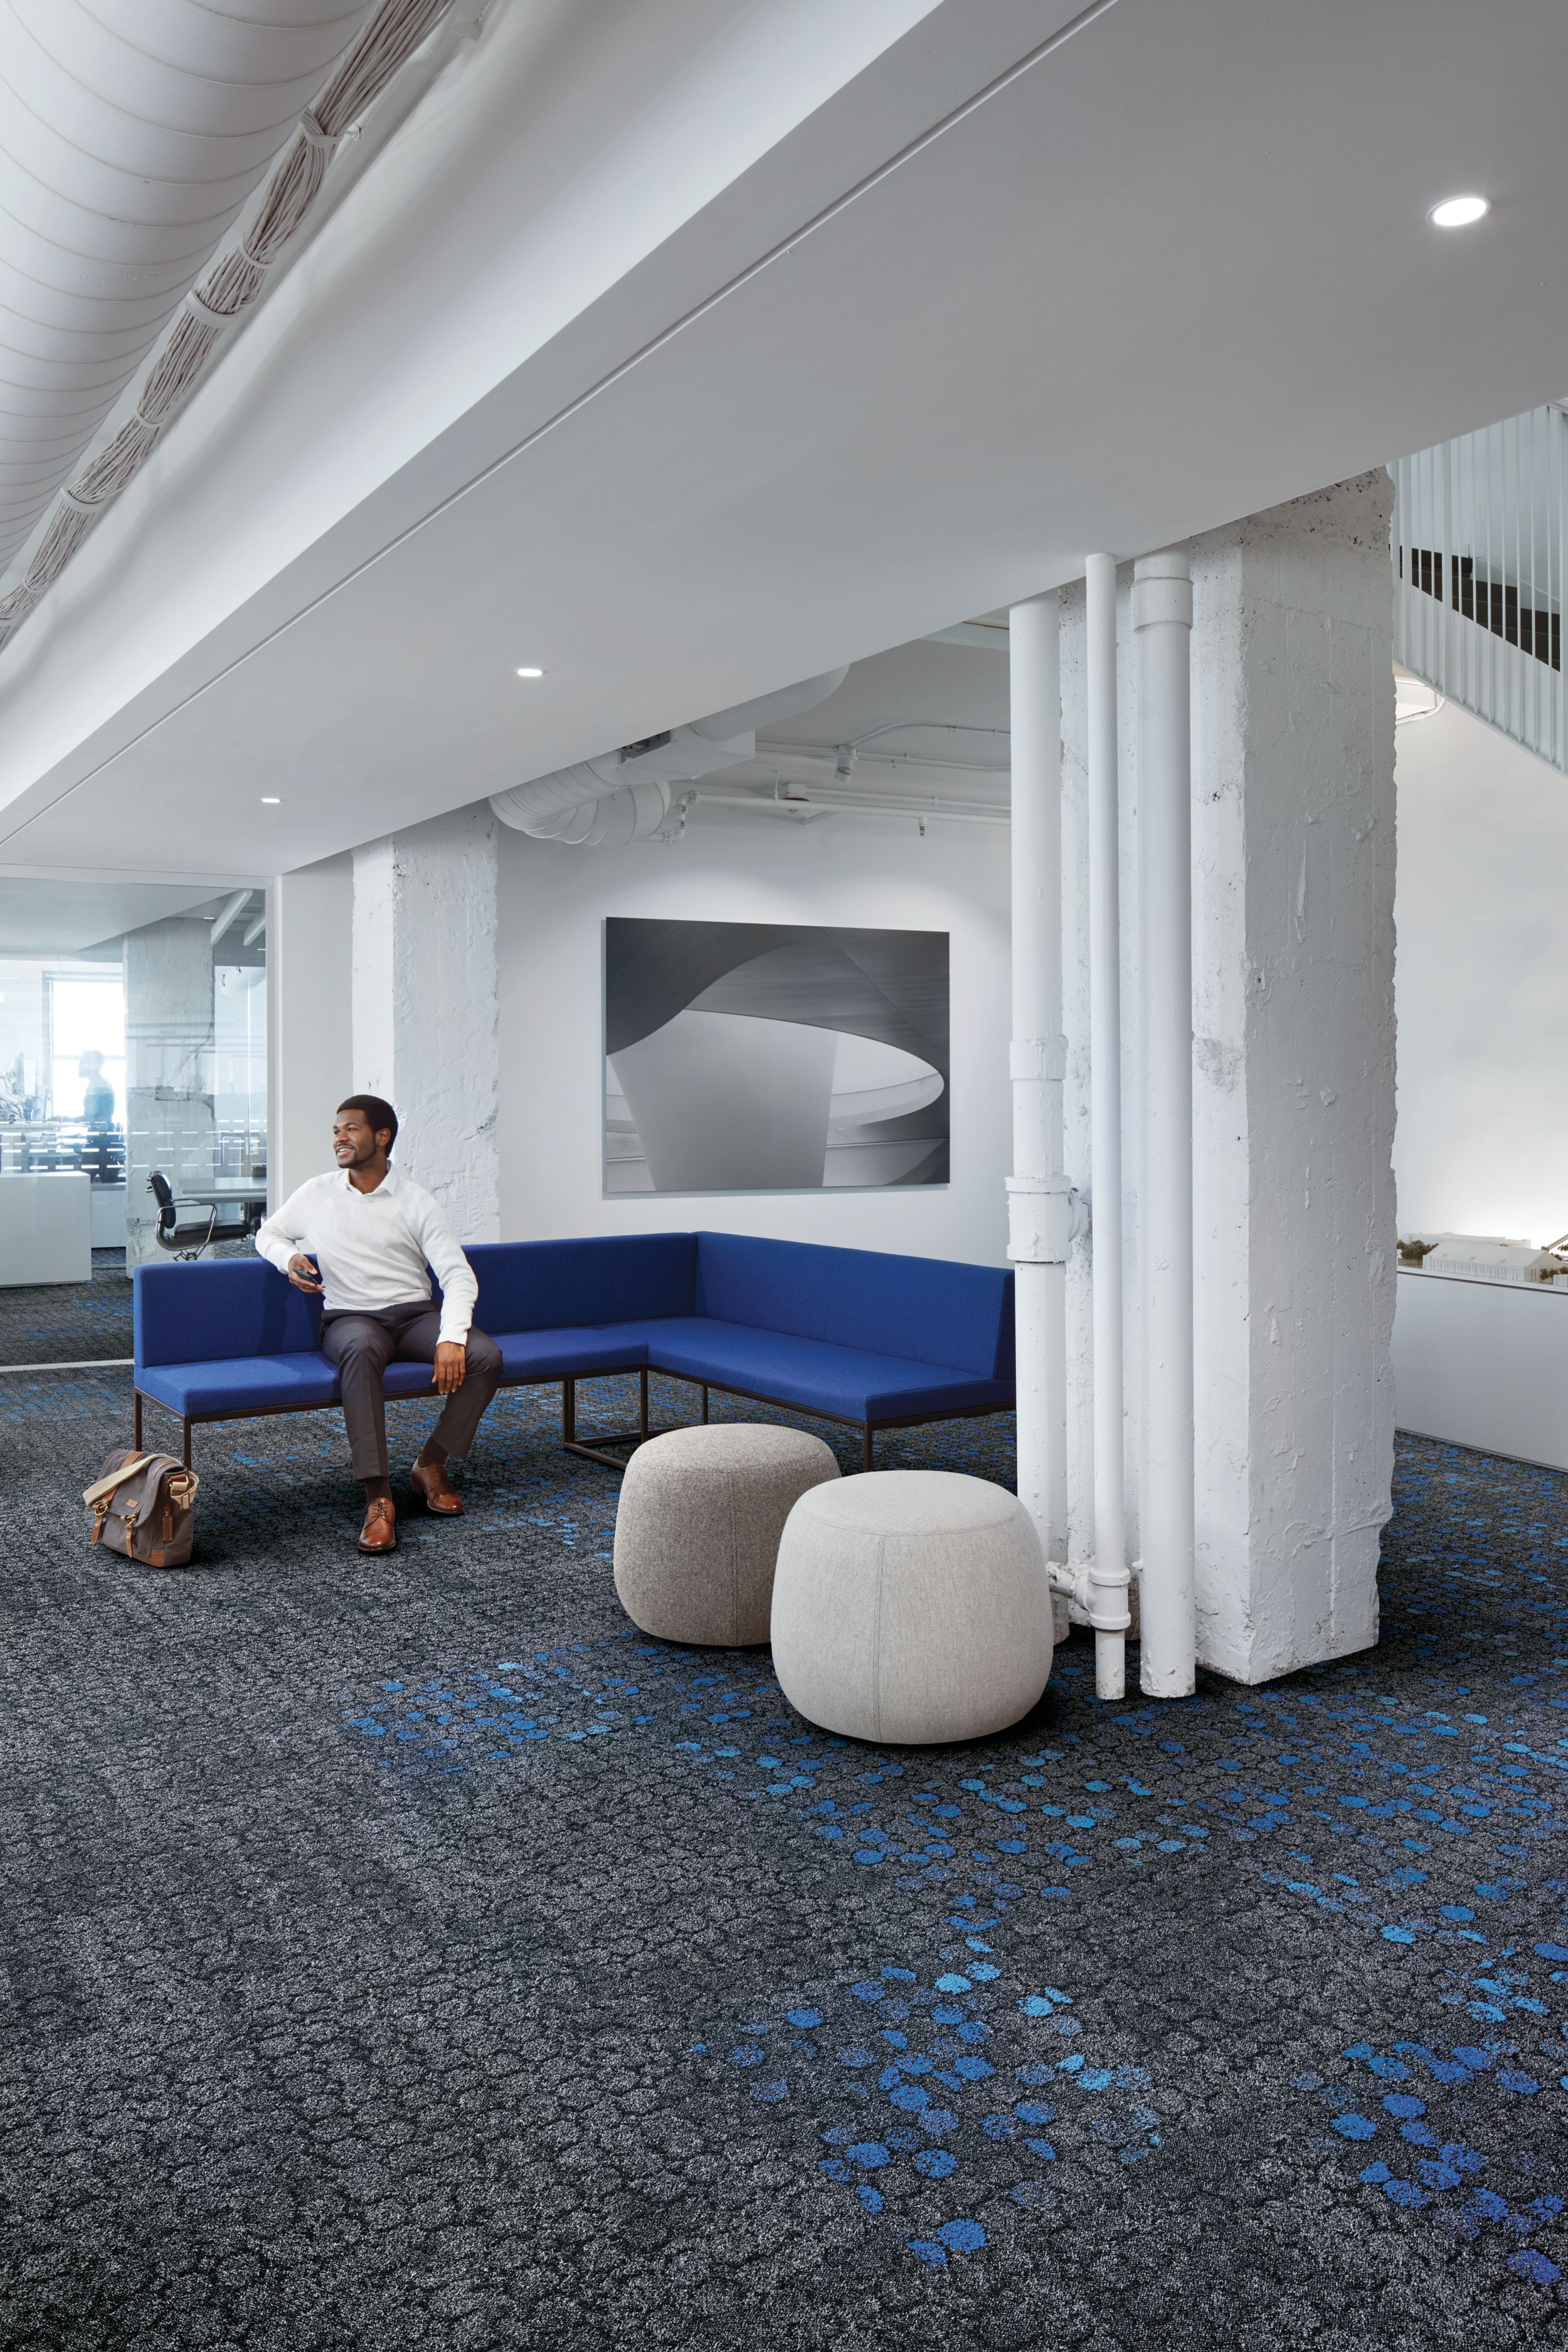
point(108, 1216)
point(1483, 1364)
point(46, 1229)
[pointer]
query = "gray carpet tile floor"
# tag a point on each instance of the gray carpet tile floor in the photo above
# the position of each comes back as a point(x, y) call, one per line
point(68, 1322)
point(79, 1322)
point(412, 1953)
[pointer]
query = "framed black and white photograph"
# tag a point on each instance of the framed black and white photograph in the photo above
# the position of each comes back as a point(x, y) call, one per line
point(773, 1057)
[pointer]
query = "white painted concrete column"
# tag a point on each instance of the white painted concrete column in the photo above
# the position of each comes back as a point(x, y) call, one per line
point(168, 1068)
point(1039, 1209)
point(1163, 621)
point(1293, 1076)
point(426, 1025)
point(1108, 1578)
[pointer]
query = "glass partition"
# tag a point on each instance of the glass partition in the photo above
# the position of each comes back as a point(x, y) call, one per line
point(132, 1099)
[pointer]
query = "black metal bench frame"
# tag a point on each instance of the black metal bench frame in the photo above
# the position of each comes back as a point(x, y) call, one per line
point(595, 1448)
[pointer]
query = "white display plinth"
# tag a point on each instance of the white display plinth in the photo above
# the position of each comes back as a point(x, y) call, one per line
point(108, 1216)
point(1483, 1364)
point(46, 1229)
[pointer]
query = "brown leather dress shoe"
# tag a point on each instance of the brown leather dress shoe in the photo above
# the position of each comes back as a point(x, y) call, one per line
point(436, 1490)
point(379, 1532)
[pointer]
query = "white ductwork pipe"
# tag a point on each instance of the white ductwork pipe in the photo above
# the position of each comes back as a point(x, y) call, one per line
point(1108, 1580)
point(624, 795)
point(1163, 630)
point(130, 137)
point(241, 899)
point(633, 813)
point(1040, 1204)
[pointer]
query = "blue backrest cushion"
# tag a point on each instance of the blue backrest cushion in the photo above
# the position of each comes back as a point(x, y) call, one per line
point(605, 1278)
point(230, 1307)
point(933, 1309)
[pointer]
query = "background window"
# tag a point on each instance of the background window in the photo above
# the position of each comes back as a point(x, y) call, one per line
point(86, 1017)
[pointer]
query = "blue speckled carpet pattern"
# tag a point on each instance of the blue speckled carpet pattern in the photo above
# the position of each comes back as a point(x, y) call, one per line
point(417, 1953)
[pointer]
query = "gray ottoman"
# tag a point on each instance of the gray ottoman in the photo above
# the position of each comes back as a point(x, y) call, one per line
point(911, 1606)
point(697, 1530)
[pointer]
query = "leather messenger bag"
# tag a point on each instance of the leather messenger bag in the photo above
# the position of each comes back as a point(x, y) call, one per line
point(143, 1505)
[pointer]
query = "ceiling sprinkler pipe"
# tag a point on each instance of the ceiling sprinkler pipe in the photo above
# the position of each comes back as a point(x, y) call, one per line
point(636, 780)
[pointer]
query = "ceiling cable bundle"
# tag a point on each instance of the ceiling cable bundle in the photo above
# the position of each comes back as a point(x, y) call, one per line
point(383, 45)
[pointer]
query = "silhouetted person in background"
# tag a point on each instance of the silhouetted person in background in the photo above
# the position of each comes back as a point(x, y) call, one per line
point(97, 1098)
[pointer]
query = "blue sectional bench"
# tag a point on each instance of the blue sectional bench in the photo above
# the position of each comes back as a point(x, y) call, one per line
point(855, 1336)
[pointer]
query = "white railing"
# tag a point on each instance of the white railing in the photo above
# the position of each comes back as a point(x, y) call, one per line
point(1478, 558)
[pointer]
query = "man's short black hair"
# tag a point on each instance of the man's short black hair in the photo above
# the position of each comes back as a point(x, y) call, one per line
point(378, 1113)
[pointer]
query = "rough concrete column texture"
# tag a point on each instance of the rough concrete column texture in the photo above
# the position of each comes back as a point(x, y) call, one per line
point(1293, 1074)
point(425, 1019)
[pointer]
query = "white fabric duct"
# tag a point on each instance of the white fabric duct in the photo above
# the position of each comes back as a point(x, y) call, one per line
point(636, 779)
point(130, 133)
point(630, 814)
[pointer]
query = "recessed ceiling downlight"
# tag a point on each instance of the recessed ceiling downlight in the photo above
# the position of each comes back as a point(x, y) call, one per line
point(271, 800)
point(1458, 212)
point(531, 673)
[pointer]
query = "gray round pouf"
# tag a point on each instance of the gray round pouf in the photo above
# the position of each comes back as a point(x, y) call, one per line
point(697, 1530)
point(911, 1606)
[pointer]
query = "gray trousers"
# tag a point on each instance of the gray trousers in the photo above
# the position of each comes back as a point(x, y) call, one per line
point(361, 1347)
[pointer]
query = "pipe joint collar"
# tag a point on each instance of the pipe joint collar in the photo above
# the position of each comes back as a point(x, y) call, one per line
point(1044, 1059)
point(1042, 1219)
point(1099, 1595)
point(1108, 1598)
point(1162, 590)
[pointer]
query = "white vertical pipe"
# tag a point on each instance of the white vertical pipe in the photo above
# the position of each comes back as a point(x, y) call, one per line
point(1559, 509)
point(1108, 1577)
point(279, 945)
point(1163, 626)
point(1038, 1212)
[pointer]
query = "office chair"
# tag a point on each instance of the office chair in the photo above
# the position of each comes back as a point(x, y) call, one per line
point(188, 1237)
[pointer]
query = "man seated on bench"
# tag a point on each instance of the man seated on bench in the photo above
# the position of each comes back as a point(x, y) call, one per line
point(374, 1234)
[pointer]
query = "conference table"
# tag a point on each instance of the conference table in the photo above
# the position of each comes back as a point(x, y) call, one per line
point(248, 1193)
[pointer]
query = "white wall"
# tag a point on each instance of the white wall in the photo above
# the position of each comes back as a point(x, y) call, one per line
point(734, 867)
point(310, 1069)
point(1481, 982)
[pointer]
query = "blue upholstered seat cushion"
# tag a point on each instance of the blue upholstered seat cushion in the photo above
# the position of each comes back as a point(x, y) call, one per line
point(591, 1348)
point(240, 1384)
point(815, 1374)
